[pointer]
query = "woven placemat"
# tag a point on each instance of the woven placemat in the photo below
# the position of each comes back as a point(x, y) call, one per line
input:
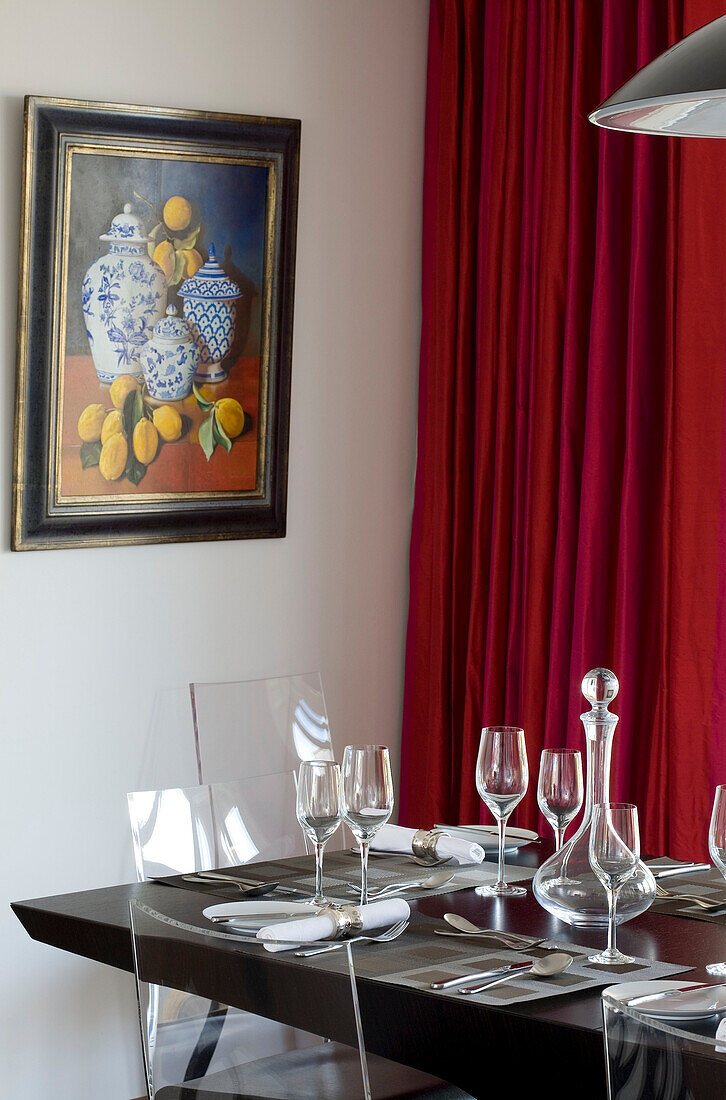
point(708, 885)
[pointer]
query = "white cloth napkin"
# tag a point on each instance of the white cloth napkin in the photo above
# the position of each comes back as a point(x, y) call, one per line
point(377, 914)
point(395, 838)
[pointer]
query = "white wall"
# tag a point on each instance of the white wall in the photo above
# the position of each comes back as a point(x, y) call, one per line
point(90, 636)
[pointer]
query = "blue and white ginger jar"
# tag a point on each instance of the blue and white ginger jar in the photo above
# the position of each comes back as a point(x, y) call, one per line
point(210, 299)
point(124, 295)
point(170, 358)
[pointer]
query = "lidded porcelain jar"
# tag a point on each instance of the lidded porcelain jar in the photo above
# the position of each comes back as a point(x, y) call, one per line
point(169, 359)
point(210, 299)
point(124, 295)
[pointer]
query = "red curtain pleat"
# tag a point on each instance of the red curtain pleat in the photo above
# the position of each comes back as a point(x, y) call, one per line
point(568, 507)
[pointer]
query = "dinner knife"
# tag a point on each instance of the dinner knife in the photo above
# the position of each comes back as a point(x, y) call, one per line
point(648, 997)
point(510, 968)
point(670, 872)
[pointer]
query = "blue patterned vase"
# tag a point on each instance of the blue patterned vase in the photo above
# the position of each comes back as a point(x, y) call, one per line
point(209, 306)
point(124, 295)
point(169, 359)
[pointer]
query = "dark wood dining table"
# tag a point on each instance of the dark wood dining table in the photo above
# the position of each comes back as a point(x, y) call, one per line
point(541, 1046)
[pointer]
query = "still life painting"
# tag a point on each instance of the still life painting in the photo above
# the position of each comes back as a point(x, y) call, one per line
point(163, 366)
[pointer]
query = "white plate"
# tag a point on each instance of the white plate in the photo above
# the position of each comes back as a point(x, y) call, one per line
point(487, 836)
point(258, 913)
point(687, 1008)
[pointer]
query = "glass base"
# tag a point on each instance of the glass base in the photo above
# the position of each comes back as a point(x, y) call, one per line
point(610, 958)
point(500, 890)
point(718, 970)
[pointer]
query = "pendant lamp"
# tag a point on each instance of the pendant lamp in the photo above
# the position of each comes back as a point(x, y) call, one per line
point(682, 92)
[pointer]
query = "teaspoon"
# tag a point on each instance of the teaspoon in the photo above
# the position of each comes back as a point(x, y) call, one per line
point(547, 967)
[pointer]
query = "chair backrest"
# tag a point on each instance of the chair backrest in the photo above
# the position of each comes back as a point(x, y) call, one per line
point(187, 829)
point(649, 1059)
point(183, 1057)
point(256, 727)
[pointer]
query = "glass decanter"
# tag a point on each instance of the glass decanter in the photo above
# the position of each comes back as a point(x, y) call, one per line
point(566, 885)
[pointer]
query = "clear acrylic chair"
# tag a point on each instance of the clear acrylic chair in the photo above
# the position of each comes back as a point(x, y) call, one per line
point(256, 727)
point(187, 829)
point(182, 830)
point(181, 1063)
point(649, 1059)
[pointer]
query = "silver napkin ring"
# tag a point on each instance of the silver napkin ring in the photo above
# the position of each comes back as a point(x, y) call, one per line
point(347, 920)
point(423, 846)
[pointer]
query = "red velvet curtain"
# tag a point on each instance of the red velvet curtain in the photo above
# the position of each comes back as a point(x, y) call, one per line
point(568, 508)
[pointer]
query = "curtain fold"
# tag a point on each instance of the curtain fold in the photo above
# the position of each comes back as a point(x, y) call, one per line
point(568, 507)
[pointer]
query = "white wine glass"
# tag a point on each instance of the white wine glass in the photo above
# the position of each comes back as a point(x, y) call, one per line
point(502, 776)
point(560, 789)
point(717, 850)
point(318, 810)
point(366, 798)
point(614, 852)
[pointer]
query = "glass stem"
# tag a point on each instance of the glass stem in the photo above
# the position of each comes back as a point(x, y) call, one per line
point(364, 871)
point(319, 871)
point(502, 823)
point(559, 836)
point(611, 922)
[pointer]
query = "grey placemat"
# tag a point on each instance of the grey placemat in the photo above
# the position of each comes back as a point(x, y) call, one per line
point(420, 957)
point(708, 885)
point(340, 868)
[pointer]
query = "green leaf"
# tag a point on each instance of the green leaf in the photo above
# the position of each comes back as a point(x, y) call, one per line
point(90, 454)
point(135, 470)
point(178, 272)
point(155, 230)
point(151, 248)
point(187, 242)
point(206, 436)
point(202, 401)
point(133, 410)
point(220, 436)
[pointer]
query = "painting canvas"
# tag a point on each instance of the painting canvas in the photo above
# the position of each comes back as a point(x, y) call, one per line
point(153, 398)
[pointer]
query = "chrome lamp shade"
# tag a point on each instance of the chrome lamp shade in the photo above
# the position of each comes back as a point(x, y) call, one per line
point(682, 92)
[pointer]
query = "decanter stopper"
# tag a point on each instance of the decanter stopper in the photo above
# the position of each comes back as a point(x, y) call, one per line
point(600, 686)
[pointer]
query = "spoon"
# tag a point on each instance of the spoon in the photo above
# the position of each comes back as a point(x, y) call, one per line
point(556, 963)
point(433, 882)
point(461, 924)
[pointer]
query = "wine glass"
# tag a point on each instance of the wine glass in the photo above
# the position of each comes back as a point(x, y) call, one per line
point(614, 853)
point(318, 810)
point(560, 790)
point(367, 798)
point(502, 776)
point(717, 849)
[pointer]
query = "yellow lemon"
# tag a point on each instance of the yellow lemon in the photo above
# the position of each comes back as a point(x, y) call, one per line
point(146, 441)
point(114, 453)
point(177, 213)
point(164, 257)
point(193, 260)
point(90, 423)
point(168, 423)
point(112, 425)
point(230, 415)
point(121, 387)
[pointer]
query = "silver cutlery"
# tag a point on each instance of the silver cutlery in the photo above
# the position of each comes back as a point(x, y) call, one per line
point(695, 899)
point(245, 884)
point(390, 934)
point(283, 915)
point(511, 944)
point(467, 928)
point(646, 998)
point(671, 872)
point(432, 882)
point(547, 967)
point(493, 973)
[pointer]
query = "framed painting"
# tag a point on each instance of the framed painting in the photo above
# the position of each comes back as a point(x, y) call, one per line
point(155, 314)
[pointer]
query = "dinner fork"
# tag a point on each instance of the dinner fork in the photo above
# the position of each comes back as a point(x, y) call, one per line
point(391, 933)
point(511, 941)
point(693, 898)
